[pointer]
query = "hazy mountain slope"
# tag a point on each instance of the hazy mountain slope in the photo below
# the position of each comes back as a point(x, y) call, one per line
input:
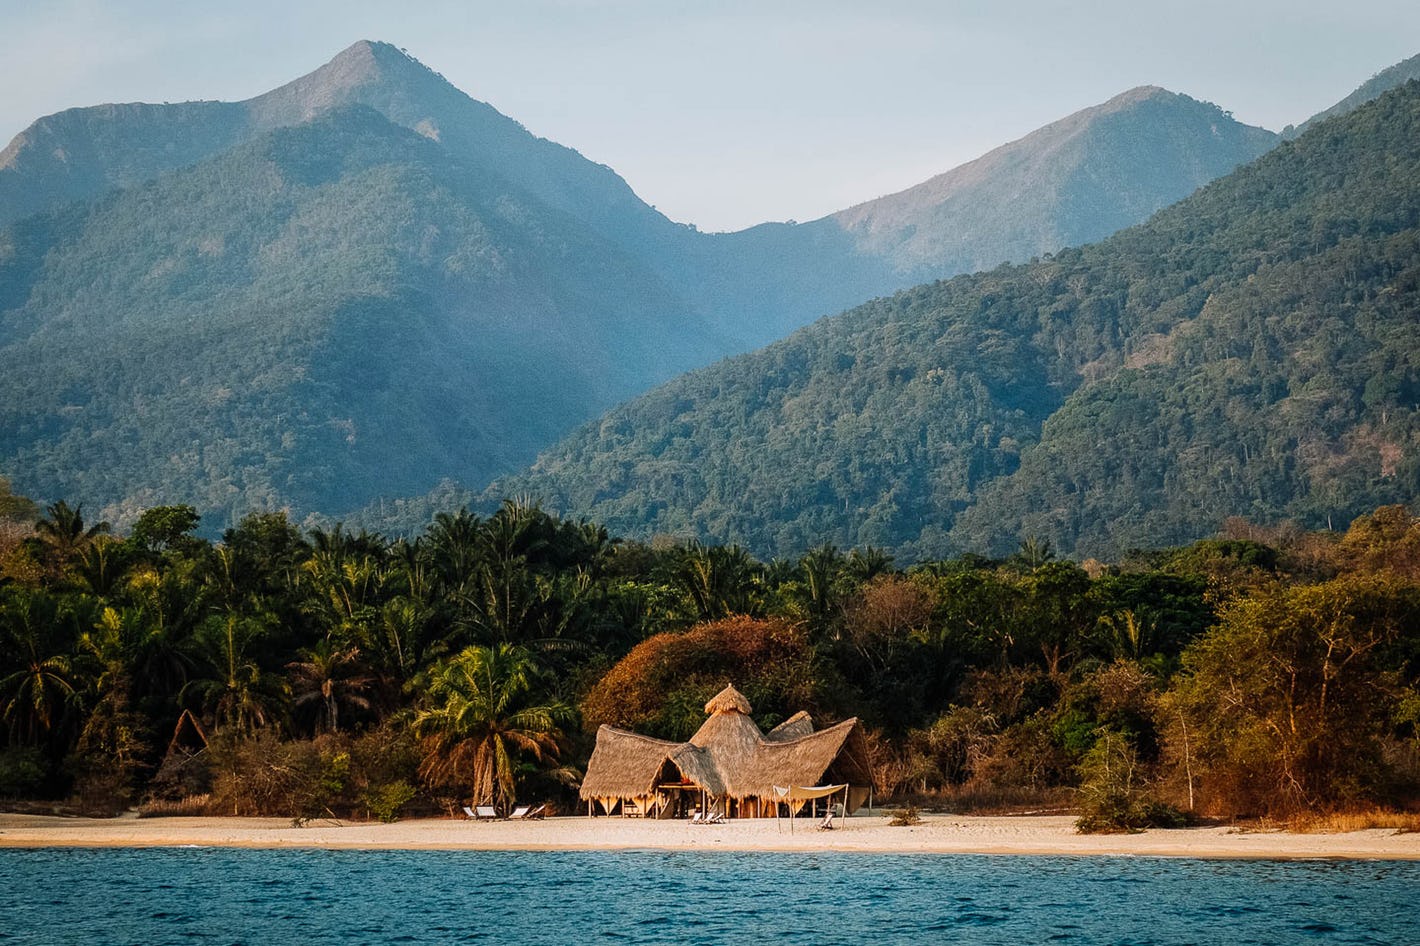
point(332, 311)
point(1252, 349)
point(521, 286)
point(1072, 182)
point(1383, 81)
point(1077, 179)
point(83, 152)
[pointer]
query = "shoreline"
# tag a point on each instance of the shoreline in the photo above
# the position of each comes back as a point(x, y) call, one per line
point(1022, 835)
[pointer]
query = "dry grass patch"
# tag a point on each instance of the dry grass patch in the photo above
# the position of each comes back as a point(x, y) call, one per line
point(1402, 822)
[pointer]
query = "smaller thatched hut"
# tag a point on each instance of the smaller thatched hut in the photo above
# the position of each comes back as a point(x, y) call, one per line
point(729, 765)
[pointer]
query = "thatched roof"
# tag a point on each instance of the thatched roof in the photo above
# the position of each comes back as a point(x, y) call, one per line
point(805, 761)
point(800, 724)
point(625, 764)
point(728, 700)
point(728, 755)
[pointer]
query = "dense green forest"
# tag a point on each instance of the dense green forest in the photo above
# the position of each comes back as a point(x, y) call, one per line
point(325, 673)
point(1251, 350)
point(317, 317)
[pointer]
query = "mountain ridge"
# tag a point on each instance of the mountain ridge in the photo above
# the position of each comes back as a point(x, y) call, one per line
point(1250, 350)
point(679, 298)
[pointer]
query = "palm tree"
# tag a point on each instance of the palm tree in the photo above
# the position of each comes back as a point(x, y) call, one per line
point(332, 676)
point(63, 534)
point(719, 581)
point(35, 694)
point(452, 545)
point(478, 721)
point(236, 693)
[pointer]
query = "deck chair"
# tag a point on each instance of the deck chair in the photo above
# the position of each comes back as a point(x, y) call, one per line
point(827, 823)
point(485, 813)
point(468, 813)
point(520, 813)
point(537, 814)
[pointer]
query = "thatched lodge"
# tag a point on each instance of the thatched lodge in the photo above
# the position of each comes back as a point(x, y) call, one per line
point(729, 766)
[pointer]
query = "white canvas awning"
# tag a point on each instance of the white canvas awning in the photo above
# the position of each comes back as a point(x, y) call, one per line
point(806, 792)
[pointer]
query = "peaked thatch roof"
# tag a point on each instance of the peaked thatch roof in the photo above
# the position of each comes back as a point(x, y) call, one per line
point(728, 755)
point(728, 700)
point(625, 764)
point(800, 724)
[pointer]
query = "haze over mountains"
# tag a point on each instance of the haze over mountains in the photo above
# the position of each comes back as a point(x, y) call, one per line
point(1252, 350)
point(365, 281)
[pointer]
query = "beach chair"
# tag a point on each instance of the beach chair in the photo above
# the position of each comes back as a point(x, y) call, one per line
point(468, 813)
point(485, 813)
point(537, 814)
point(834, 811)
point(520, 813)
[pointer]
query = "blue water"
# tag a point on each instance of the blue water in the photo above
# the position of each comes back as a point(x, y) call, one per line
point(227, 896)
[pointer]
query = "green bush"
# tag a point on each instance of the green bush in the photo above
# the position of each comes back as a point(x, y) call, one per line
point(385, 801)
point(22, 773)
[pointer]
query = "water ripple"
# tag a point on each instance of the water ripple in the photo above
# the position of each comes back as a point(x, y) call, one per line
point(313, 898)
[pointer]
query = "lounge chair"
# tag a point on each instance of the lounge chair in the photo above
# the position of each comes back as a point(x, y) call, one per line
point(826, 824)
point(520, 813)
point(468, 813)
point(537, 814)
point(485, 813)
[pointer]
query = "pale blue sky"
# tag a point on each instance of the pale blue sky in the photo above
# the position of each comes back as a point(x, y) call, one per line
point(725, 114)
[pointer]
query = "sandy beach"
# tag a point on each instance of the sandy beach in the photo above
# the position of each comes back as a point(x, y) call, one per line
point(938, 834)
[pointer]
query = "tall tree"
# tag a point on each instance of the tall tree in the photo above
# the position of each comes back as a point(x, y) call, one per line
point(481, 717)
point(64, 535)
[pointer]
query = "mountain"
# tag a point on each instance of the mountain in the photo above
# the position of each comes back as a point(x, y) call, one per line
point(1382, 82)
point(326, 312)
point(1250, 350)
point(1075, 180)
point(83, 152)
point(365, 281)
point(1072, 182)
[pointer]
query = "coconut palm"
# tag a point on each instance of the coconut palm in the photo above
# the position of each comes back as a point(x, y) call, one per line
point(330, 676)
point(36, 694)
point(235, 692)
point(63, 534)
point(480, 718)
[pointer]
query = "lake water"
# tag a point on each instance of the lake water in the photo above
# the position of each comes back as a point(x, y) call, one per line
point(227, 896)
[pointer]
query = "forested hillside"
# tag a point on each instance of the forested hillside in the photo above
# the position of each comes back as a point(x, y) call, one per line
point(329, 312)
point(1252, 349)
point(256, 305)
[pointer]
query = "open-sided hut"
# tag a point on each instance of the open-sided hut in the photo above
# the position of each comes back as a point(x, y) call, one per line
point(729, 764)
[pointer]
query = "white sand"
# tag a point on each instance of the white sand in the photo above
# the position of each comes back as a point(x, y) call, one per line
point(949, 834)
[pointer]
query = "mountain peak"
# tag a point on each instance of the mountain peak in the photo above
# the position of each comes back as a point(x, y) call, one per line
point(1018, 192)
point(1141, 93)
point(355, 73)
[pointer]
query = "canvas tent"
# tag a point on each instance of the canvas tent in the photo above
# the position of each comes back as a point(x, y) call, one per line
point(729, 765)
